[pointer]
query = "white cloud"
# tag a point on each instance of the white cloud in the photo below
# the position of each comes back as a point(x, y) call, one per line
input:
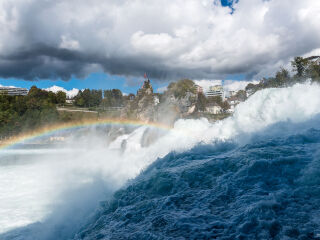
point(7, 86)
point(162, 89)
point(68, 43)
point(70, 94)
point(168, 38)
point(233, 85)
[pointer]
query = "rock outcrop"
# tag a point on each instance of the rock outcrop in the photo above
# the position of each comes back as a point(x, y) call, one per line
point(147, 107)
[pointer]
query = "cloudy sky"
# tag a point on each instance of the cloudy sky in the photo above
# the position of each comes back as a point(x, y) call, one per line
point(119, 40)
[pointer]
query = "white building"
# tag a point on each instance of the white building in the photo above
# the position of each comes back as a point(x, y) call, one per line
point(70, 101)
point(13, 91)
point(214, 109)
point(233, 103)
point(215, 91)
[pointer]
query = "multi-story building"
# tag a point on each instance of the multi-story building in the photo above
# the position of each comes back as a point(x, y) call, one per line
point(215, 91)
point(13, 91)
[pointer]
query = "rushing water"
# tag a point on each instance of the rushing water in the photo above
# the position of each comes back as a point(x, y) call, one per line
point(252, 176)
point(267, 189)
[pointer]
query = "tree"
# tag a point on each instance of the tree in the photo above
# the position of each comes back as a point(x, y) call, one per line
point(241, 95)
point(61, 97)
point(282, 77)
point(52, 97)
point(86, 95)
point(117, 95)
point(95, 98)
point(88, 98)
point(181, 88)
point(201, 103)
point(113, 98)
point(38, 93)
point(225, 105)
point(299, 65)
point(18, 113)
point(215, 99)
point(314, 72)
point(79, 101)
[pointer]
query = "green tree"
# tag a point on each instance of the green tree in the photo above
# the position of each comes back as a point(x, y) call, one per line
point(201, 103)
point(314, 72)
point(282, 78)
point(88, 98)
point(299, 65)
point(241, 95)
point(61, 98)
point(18, 113)
point(181, 88)
point(79, 101)
point(113, 98)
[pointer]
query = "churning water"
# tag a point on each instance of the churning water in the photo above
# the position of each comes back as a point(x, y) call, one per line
point(255, 175)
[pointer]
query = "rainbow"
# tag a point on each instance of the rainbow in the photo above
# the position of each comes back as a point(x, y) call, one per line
point(52, 129)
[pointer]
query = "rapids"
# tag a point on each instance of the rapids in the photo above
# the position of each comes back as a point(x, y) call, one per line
point(254, 175)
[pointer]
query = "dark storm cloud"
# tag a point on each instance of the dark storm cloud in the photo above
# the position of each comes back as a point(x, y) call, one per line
point(43, 62)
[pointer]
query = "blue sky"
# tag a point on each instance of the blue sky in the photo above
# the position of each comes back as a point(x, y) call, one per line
point(93, 81)
point(226, 2)
point(96, 81)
